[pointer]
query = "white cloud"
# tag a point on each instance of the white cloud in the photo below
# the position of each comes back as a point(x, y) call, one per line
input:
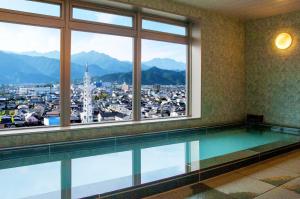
point(156, 49)
point(114, 46)
point(105, 18)
point(22, 38)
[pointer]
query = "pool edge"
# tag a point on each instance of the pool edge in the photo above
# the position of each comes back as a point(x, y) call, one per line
point(168, 184)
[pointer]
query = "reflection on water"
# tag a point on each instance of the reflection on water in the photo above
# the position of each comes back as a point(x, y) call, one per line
point(41, 181)
point(89, 168)
point(162, 162)
point(102, 173)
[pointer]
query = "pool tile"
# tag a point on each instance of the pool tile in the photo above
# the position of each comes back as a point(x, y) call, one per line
point(142, 141)
point(12, 140)
point(153, 188)
point(238, 186)
point(295, 154)
point(279, 193)
point(38, 138)
point(100, 144)
point(274, 145)
point(279, 151)
point(268, 173)
point(212, 172)
point(293, 185)
point(226, 158)
point(55, 137)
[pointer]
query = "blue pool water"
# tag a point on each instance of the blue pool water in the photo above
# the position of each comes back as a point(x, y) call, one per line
point(217, 144)
point(88, 168)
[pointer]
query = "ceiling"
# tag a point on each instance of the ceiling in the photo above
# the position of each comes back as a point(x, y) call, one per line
point(246, 9)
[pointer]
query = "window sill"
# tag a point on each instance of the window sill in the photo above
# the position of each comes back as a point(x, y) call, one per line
point(94, 126)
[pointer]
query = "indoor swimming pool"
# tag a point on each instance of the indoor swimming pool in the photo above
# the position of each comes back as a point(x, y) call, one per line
point(89, 168)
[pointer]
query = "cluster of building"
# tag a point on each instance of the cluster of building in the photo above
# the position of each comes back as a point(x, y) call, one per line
point(163, 101)
point(29, 105)
point(37, 105)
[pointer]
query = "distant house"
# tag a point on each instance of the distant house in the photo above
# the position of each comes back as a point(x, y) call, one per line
point(75, 119)
point(112, 116)
point(3, 99)
point(2, 106)
point(51, 121)
point(52, 118)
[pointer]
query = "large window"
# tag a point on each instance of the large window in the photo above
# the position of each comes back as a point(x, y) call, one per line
point(67, 62)
point(163, 91)
point(30, 76)
point(101, 74)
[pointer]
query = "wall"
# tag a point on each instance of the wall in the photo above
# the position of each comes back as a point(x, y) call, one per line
point(223, 81)
point(273, 75)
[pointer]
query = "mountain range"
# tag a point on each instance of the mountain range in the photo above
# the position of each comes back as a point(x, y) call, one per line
point(152, 76)
point(35, 67)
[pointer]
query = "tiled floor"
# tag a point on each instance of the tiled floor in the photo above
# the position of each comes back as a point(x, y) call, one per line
point(276, 178)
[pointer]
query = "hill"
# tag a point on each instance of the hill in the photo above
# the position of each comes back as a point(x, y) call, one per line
point(166, 64)
point(151, 76)
point(34, 67)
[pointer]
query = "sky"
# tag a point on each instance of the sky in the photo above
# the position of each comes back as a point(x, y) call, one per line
point(31, 6)
point(24, 38)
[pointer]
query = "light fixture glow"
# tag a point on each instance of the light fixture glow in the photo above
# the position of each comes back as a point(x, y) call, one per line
point(283, 41)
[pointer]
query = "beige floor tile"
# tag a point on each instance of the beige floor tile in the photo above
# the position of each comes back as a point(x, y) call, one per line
point(249, 182)
point(180, 193)
point(293, 185)
point(279, 193)
point(269, 174)
point(196, 191)
point(293, 155)
point(292, 165)
point(238, 186)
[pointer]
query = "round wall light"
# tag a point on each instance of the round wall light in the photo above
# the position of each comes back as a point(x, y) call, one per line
point(283, 41)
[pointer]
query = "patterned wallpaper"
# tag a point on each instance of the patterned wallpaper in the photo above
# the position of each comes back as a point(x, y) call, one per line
point(223, 72)
point(273, 75)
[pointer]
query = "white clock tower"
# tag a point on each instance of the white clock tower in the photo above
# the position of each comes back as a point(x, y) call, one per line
point(87, 114)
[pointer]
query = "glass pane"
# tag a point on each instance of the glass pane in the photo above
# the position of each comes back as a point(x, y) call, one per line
point(33, 181)
point(163, 79)
point(102, 173)
point(29, 78)
point(101, 17)
point(163, 27)
point(162, 162)
point(101, 78)
point(31, 6)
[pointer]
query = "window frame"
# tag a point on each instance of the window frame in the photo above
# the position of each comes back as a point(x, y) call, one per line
point(101, 9)
point(165, 21)
point(65, 23)
point(32, 14)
